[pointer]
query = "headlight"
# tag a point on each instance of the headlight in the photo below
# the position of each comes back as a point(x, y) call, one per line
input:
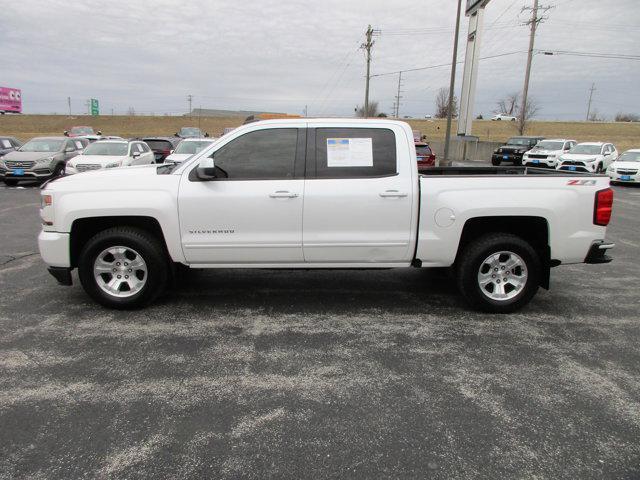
point(551, 156)
point(590, 160)
point(113, 165)
point(499, 150)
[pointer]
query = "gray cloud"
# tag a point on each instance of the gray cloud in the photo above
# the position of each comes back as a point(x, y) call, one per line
point(283, 54)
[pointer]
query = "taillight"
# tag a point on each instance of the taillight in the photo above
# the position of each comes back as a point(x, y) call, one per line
point(603, 206)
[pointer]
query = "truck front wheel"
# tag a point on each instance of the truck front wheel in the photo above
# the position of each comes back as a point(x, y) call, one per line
point(123, 268)
point(499, 273)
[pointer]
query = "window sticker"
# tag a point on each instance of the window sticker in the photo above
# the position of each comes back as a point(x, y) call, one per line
point(349, 152)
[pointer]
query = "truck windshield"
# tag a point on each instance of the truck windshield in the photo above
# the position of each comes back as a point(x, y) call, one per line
point(42, 145)
point(82, 131)
point(110, 148)
point(629, 157)
point(190, 147)
point(424, 151)
point(546, 145)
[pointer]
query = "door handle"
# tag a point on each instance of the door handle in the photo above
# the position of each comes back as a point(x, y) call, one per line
point(393, 193)
point(283, 194)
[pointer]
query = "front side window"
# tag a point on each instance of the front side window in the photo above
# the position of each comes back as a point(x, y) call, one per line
point(355, 152)
point(261, 154)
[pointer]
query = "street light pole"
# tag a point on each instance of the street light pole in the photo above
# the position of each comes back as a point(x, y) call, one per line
point(452, 84)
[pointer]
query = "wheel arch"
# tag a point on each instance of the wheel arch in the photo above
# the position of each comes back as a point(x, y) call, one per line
point(532, 229)
point(83, 229)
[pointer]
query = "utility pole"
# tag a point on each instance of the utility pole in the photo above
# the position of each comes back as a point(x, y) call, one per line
point(452, 85)
point(367, 46)
point(533, 23)
point(190, 99)
point(69, 103)
point(398, 96)
point(591, 90)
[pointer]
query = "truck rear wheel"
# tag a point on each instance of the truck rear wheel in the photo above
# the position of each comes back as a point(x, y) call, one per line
point(123, 268)
point(499, 273)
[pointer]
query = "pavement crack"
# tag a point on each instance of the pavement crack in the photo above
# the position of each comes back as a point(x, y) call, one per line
point(13, 258)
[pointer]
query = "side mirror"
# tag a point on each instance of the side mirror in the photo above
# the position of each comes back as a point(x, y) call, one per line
point(171, 151)
point(206, 169)
point(176, 134)
point(99, 132)
point(206, 134)
point(66, 133)
point(135, 154)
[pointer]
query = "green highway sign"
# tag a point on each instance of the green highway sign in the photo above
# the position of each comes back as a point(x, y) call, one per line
point(95, 107)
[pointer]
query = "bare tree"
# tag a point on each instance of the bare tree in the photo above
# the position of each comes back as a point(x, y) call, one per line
point(530, 112)
point(442, 104)
point(508, 105)
point(627, 117)
point(373, 110)
point(595, 116)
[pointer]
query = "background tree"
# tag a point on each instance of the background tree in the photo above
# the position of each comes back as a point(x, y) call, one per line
point(595, 116)
point(508, 105)
point(442, 104)
point(530, 112)
point(373, 110)
point(131, 111)
point(627, 117)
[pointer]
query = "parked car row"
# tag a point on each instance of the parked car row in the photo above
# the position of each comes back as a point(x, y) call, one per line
point(43, 158)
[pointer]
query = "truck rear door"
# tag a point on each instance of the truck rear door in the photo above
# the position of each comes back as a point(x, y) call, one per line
point(359, 194)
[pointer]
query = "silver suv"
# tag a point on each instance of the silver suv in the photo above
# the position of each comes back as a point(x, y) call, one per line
point(41, 158)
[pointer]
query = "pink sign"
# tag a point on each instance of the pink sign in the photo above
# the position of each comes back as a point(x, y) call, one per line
point(10, 100)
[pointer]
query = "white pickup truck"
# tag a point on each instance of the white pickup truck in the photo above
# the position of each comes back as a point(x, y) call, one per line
point(321, 193)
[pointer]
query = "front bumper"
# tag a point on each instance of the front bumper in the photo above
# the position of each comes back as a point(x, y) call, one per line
point(540, 162)
point(588, 167)
point(40, 173)
point(598, 252)
point(623, 178)
point(55, 249)
point(507, 157)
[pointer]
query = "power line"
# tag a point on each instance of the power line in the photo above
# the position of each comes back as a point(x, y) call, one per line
point(617, 56)
point(429, 67)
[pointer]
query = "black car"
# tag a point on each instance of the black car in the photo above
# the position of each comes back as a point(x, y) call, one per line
point(514, 149)
point(8, 144)
point(161, 146)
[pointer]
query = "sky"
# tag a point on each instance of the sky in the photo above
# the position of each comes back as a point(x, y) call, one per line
point(283, 55)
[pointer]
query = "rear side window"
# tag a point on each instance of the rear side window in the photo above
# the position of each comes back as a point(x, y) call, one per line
point(259, 155)
point(5, 143)
point(159, 144)
point(355, 152)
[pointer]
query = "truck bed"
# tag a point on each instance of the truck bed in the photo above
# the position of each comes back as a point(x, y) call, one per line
point(507, 170)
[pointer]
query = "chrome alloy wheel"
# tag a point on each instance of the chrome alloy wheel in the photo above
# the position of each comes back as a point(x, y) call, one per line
point(502, 275)
point(120, 271)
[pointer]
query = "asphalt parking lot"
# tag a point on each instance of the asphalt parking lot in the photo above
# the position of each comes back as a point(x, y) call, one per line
point(319, 374)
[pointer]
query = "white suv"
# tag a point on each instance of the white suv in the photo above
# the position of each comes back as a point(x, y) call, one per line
point(110, 154)
point(546, 152)
point(588, 157)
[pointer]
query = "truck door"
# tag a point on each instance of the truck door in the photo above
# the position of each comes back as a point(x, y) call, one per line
point(252, 212)
point(359, 195)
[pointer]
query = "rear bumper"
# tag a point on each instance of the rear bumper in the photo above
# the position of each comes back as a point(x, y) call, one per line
point(598, 252)
point(54, 249)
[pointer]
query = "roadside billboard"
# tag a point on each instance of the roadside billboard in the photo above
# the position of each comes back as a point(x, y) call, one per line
point(10, 100)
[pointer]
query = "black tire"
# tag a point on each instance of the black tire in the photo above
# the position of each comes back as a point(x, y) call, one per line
point(10, 182)
point(495, 162)
point(58, 171)
point(146, 245)
point(599, 168)
point(471, 261)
